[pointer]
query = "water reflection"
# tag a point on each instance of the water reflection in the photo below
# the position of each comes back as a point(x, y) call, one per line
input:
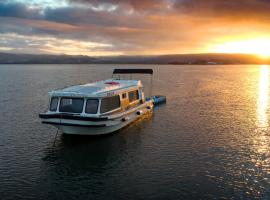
point(261, 154)
point(82, 155)
point(262, 103)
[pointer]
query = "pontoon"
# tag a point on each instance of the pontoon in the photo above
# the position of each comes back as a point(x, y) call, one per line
point(98, 108)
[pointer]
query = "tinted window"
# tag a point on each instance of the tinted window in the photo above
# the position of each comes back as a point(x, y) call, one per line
point(54, 104)
point(91, 106)
point(72, 105)
point(133, 95)
point(109, 104)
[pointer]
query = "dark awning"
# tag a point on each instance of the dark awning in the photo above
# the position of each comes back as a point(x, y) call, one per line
point(133, 71)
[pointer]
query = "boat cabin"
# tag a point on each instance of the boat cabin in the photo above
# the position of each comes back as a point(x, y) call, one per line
point(97, 99)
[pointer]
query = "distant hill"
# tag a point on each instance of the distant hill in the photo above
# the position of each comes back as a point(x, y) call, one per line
point(201, 59)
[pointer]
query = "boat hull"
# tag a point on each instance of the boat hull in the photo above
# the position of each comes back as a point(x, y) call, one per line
point(98, 127)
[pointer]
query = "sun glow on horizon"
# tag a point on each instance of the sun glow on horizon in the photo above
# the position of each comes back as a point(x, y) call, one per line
point(259, 47)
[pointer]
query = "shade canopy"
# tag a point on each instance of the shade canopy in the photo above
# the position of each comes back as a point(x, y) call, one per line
point(133, 71)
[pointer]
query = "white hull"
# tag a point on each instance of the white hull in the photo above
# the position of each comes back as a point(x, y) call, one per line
point(113, 124)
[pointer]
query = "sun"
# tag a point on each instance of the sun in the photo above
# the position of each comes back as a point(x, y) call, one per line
point(259, 47)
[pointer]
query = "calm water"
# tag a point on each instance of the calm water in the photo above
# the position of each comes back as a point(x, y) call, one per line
point(211, 140)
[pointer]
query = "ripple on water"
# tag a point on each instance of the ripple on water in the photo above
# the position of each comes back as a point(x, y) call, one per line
point(210, 141)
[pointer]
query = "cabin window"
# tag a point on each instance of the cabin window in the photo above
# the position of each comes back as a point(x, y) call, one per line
point(124, 95)
point(133, 96)
point(109, 104)
point(91, 106)
point(54, 104)
point(71, 105)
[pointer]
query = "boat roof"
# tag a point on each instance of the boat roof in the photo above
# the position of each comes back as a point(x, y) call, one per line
point(107, 87)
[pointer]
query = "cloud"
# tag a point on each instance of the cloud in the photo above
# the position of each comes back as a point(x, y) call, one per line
point(77, 15)
point(50, 45)
point(134, 13)
point(135, 4)
point(19, 10)
point(131, 26)
point(71, 15)
point(240, 9)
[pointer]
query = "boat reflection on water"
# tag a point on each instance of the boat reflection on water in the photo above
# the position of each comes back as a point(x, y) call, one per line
point(81, 155)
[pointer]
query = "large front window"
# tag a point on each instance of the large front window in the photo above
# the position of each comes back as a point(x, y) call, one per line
point(71, 105)
point(91, 106)
point(54, 104)
point(110, 103)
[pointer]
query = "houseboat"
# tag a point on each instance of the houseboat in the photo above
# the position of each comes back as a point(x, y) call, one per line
point(98, 108)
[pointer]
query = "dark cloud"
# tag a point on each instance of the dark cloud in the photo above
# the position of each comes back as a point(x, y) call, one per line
point(72, 15)
point(243, 9)
point(19, 10)
point(248, 9)
point(76, 15)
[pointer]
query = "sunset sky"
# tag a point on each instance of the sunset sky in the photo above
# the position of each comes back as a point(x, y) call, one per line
point(135, 27)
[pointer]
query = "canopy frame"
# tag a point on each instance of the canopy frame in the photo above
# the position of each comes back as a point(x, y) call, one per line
point(135, 71)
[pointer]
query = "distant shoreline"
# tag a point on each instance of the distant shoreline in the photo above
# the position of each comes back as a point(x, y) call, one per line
point(176, 59)
point(130, 64)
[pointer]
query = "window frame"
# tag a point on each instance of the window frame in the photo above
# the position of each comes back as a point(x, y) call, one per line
point(82, 110)
point(114, 110)
point(98, 106)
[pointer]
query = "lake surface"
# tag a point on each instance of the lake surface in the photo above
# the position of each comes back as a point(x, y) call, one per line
point(210, 141)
